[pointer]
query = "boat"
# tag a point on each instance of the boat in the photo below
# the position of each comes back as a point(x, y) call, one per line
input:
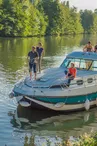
point(50, 90)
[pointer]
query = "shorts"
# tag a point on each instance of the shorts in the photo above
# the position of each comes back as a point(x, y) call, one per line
point(32, 66)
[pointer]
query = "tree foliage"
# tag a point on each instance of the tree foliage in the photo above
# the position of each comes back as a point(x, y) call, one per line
point(20, 18)
point(86, 20)
point(44, 17)
point(61, 18)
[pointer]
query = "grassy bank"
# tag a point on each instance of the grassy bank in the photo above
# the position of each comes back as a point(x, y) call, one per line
point(84, 140)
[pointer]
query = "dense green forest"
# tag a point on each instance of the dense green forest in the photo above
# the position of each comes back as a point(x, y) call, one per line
point(44, 17)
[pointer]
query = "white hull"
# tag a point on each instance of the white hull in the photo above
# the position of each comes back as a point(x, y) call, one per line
point(62, 106)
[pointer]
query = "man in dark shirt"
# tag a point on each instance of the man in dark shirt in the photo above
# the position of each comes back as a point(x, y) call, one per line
point(32, 56)
point(39, 50)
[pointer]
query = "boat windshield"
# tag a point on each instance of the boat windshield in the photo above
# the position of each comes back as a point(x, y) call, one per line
point(80, 64)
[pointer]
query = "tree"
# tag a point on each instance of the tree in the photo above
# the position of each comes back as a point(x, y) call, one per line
point(21, 18)
point(86, 20)
point(95, 11)
point(94, 26)
point(44, 17)
point(67, 4)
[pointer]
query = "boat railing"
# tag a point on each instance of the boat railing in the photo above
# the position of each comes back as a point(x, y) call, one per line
point(90, 80)
point(62, 84)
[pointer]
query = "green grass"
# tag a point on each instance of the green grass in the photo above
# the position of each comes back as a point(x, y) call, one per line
point(84, 140)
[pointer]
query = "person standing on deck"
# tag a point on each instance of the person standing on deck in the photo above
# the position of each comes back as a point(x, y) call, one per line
point(39, 50)
point(32, 58)
point(88, 47)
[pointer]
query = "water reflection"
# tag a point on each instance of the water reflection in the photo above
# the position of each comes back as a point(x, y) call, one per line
point(13, 52)
point(42, 126)
point(52, 123)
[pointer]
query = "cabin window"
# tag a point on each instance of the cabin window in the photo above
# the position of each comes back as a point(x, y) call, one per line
point(56, 86)
point(67, 62)
point(82, 64)
point(90, 80)
point(79, 63)
point(94, 66)
point(80, 82)
point(59, 86)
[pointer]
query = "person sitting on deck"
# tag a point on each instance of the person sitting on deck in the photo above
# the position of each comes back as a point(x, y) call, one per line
point(71, 73)
point(88, 47)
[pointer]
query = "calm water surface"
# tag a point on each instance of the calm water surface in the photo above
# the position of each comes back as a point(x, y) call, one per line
point(16, 122)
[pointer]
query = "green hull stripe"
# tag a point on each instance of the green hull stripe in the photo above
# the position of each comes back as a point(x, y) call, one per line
point(68, 100)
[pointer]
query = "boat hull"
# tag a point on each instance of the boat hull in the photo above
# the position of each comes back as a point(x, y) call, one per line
point(62, 103)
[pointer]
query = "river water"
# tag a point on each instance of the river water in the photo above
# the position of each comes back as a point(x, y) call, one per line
point(17, 124)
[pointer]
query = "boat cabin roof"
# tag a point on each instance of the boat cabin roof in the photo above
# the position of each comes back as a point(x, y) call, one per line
point(83, 55)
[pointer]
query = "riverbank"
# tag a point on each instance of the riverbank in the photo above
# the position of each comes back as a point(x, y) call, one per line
point(84, 140)
point(48, 35)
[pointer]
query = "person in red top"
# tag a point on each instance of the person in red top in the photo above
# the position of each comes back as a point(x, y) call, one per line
point(71, 74)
